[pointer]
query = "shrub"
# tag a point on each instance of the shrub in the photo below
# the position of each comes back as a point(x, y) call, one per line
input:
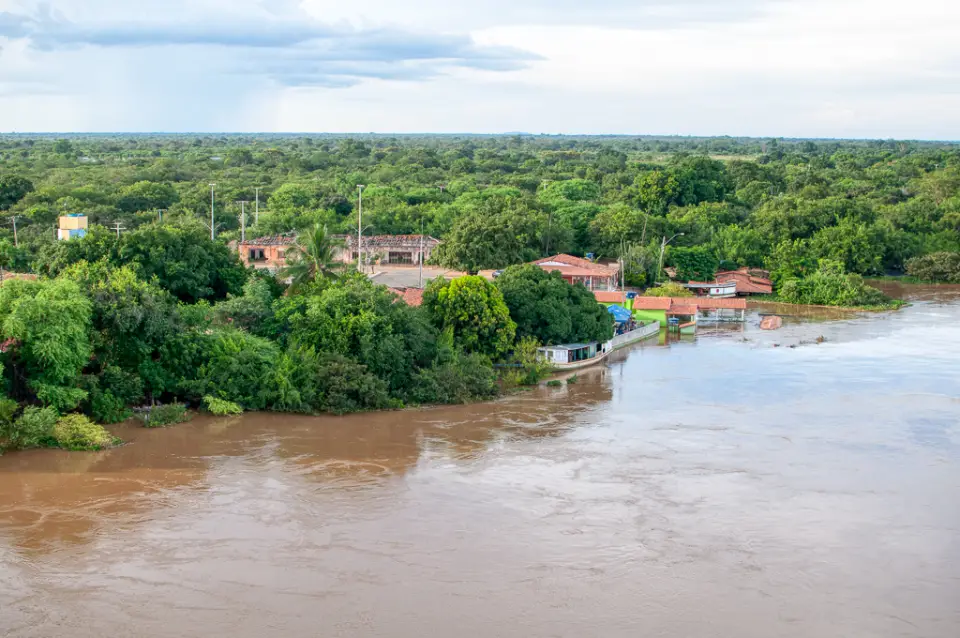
point(573, 380)
point(831, 286)
point(33, 429)
point(78, 433)
point(556, 383)
point(159, 416)
point(463, 379)
point(941, 266)
point(220, 407)
point(346, 386)
point(669, 289)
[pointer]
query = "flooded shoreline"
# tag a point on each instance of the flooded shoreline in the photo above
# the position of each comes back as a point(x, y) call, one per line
point(713, 487)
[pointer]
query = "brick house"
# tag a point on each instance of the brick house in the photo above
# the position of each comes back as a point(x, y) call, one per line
point(388, 249)
point(575, 270)
point(267, 253)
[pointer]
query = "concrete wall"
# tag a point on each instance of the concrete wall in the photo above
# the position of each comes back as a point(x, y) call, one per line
point(651, 315)
point(623, 340)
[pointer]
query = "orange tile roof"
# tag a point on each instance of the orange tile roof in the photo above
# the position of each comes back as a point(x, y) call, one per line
point(710, 303)
point(684, 303)
point(609, 297)
point(411, 296)
point(652, 303)
point(577, 263)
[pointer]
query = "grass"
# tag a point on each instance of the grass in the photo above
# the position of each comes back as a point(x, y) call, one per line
point(556, 383)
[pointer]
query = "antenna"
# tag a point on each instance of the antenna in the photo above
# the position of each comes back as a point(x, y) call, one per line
point(117, 227)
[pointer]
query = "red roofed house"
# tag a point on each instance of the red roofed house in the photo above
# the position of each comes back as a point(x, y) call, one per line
point(731, 283)
point(660, 308)
point(605, 297)
point(267, 253)
point(575, 270)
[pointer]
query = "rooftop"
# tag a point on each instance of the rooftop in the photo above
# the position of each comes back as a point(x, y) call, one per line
point(411, 296)
point(675, 303)
point(568, 264)
point(286, 239)
point(389, 241)
point(609, 297)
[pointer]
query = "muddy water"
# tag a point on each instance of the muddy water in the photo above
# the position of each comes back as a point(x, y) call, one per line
point(722, 487)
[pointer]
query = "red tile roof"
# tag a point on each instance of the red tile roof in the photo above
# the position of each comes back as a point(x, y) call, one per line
point(569, 264)
point(389, 241)
point(710, 303)
point(652, 303)
point(274, 240)
point(679, 304)
point(609, 297)
point(411, 296)
point(747, 283)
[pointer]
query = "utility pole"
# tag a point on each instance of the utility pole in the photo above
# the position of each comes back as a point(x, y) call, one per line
point(117, 227)
point(160, 212)
point(663, 248)
point(212, 234)
point(256, 213)
point(243, 220)
point(360, 229)
point(16, 242)
point(421, 252)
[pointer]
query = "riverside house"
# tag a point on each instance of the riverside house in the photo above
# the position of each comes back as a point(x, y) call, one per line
point(575, 270)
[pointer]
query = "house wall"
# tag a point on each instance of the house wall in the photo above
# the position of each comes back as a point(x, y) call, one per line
point(275, 257)
point(651, 315)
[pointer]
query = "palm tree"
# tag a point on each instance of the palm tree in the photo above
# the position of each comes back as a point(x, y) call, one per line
point(313, 257)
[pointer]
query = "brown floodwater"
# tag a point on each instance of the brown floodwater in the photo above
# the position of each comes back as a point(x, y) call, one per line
point(745, 483)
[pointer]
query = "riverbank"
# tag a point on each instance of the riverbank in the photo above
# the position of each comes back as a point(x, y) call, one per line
point(693, 474)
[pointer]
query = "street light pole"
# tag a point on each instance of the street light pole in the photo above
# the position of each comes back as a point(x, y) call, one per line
point(360, 229)
point(663, 248)
point(256, 213)
point(212, 235)
point(243, 221)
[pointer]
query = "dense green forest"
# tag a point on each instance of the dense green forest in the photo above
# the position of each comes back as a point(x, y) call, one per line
point(147, 309)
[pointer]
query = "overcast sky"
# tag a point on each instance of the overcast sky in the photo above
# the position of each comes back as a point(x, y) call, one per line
point(803, 68)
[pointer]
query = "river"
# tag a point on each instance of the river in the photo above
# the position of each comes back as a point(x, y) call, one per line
point(746, 484)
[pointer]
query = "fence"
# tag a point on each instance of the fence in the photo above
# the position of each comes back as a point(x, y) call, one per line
point(644, 332)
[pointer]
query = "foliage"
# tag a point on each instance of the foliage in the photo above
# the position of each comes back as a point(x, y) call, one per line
point(555, 383)
point(474, 311)
point(693, 264)
point(48, 326)
point(550, 310)
point(464, 378)
point(831, 286)
point(669, 289)
point(497, 232)
point(941, 267)
point(158, 416)
point(346, 386)
point(76, 432)
point(573, 380)
point(313, 257)
point(533, 367)
point(34, 428)
point(219, 407)
point(13, 188)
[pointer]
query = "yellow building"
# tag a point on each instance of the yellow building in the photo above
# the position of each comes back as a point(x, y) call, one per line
point(72, 227)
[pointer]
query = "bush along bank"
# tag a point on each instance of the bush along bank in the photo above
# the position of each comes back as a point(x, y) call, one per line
point(92, 343)
point(829, 285)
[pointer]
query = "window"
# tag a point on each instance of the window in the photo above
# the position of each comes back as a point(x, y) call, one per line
point(256, 254)
point(401, 258)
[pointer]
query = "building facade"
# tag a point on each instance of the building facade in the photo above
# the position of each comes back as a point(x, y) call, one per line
point(72, 227)
point(400, 250)
point(267, 253)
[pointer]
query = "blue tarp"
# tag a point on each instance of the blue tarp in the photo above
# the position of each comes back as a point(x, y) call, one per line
point(620, 314)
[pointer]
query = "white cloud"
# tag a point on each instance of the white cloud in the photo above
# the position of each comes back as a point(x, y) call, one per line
point(837, 68)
